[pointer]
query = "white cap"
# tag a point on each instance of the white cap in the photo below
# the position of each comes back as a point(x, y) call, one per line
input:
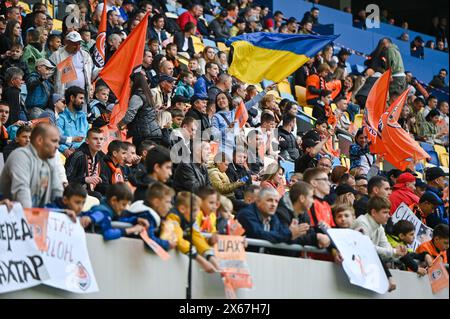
point(73, 36)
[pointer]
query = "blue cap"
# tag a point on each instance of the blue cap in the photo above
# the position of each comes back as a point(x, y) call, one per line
point(199, 96)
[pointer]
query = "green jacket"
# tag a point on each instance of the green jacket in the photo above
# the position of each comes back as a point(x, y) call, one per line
point(427, 129)
point(394, 59)
point(395, 241)
point(30, 55)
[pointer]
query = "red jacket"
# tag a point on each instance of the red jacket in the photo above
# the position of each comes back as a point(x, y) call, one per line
point(185, 18)
point(400, 195)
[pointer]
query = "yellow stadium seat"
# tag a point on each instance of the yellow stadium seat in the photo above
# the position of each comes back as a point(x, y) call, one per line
point(358, 120)
point(273, 92)
point(198, 44)
point(308, 110)
point(443, 158)
point(222, 47)
point(26, 7)
point(345, 161)
point(284, 87)
point(300, 94)
point(439, 149)
point(333, 107)
point(57, 25)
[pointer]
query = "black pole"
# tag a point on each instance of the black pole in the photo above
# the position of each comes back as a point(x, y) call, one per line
point(189, 281)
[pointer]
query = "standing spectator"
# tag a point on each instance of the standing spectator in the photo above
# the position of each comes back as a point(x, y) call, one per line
point(432, 103)
point(140, 117)
point(417, 47)
point(223, 84)
point(39, 88)
point(14, 60)
point(237, 172)
point(360, 155)
point(312, 16)
point(193, 175)
point(436, 180)
point(82, 63)
point(320, 212)
point(29, 173)
point(33, 51)
point(72, 123)
point(4, 115)
point(194, 12)
point(161, 95)
point(12, 97)
point(316, 83)
point(371, 224)
point(112, 166)
point(439, 80)
point(274, 24)
point(185, 86)
point(273, 177)
point(394, 62)
point(84, 165)
point(198, 111)
point(403, 192)
point(208, 55)
point(427, 205)
point(287, 140)
point(53, 44)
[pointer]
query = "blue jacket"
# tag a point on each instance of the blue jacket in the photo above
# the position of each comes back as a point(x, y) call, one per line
point(39, 91)
point(102, 215)
point(141, 209)
point(440, 215)
point(202, 85)
point(185, 90)
point(220, 122)
point(250, 218)
point(70, 125)
point(153, 35)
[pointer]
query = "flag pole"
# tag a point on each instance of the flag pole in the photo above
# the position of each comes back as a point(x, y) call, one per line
point(189, 281)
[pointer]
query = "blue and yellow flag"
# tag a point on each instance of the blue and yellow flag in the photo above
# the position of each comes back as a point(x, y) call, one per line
point(273, 56)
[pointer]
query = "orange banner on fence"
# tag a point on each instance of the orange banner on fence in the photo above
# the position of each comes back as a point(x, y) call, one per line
point(154, 246)
point(438, 276)
point(38, 219)
point(68, 73)
point(230, 247)
point(235, 228)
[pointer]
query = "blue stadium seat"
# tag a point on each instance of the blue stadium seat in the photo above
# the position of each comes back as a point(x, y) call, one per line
point(434, 158)
point(209, 18)
point(208, 42)
point(427, 146)
point(289, 168)
point(285, 95)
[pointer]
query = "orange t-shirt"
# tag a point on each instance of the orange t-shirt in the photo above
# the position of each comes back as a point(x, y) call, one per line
point(321, 212)
point(431, 249)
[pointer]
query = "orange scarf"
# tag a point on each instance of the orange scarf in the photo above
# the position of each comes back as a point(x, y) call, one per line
point(117, 175)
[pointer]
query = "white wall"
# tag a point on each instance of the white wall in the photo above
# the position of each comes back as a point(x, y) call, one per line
point(125, 269)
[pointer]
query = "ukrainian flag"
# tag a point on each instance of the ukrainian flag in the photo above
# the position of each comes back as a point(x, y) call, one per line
point(273, 56)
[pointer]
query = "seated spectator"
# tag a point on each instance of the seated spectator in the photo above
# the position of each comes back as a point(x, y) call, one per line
point(99, 109)
point(158, 168)
point(403, 192)
point(22, 139)
point(153, 210)
point(39, 88)
point(207, 80)
point(436, 180)
point(72, 122)
point(161, 94)
point(360, 155)
point(220, 180)
point(316, 83)
point(438, 246)
point(223, 84)
point(311, 148)
point(273, 177)
point(432, 103)
point(322, 108)
point(118, 197)
point(371, 224)
point(238, 172)
point(342, 119)
point(84, 165)
point(71, 203)
point(345, 195)
point(343, 215)
point(320, 212)
point(33, 51)
point(361, 184)
point(257, 151)
point(403, 233)
point(376, 186)
point(111, 170)
point(439, 80)
point(428, 131)
point(181, 215)
point(185, 85)
point(14, 60)
point(219, 28)
point(193, 175)
point(29, 175)
point(4, 115)
point(251, 194)
point(198, 111)
point(184, 41)
point(260, 221)
point(207, 217)
point(181, 139)
point(53, 44)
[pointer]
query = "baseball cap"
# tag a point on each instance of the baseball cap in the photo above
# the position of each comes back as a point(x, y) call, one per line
point(57, 97)
point(433, 173)
point(406, 178)
point(344, 189)
point(431, 198)
point(420, 183)
point(308, 143)
point(165, 77)
point(199, 96)
point(45, 63)
point(179, 99)
point(73, 36)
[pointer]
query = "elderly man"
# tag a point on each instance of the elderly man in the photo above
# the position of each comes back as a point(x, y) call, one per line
point(30, 175)
point(161, 94)
point(260, 221)
point(404, 192)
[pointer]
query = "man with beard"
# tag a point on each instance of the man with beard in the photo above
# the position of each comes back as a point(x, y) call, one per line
point(29, 176)
point(72, 122)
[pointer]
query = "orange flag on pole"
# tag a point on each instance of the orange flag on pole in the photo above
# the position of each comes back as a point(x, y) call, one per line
point(375, 107)
point(241, 115)
point(400, 149)
point(117, 71)
point(99, 50)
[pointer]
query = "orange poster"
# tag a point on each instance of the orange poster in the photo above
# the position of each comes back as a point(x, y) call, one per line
point(230, 248)
point(68, 73)
point(40, 120)
point(235, 228)
point(154, 246)
point(38, 220)
point(438, 276)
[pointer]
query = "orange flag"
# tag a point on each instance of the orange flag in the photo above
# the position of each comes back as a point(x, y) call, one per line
point(164, 255)
point(117, 71)
point(438, 276)
point(400, 149)
point(375, 107)
point(111, 134)
point(99, 50)
point(68, 73)
point(241, 115)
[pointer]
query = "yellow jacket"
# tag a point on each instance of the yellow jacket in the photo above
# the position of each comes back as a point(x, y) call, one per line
point(182, 230)
point(221, 182)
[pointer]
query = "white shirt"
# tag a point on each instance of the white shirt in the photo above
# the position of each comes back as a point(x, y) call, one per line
point(78, 64)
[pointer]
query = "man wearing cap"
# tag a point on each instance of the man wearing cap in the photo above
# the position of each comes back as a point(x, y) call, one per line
point(311, 147)
point(428, 131)
point(349, 192)
point(161, 94)
point(219, 27)
point(424, 210)
point(198, 111)
point(437, 180)
point(82, 63)
point(39, 88)
point(403, 192)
